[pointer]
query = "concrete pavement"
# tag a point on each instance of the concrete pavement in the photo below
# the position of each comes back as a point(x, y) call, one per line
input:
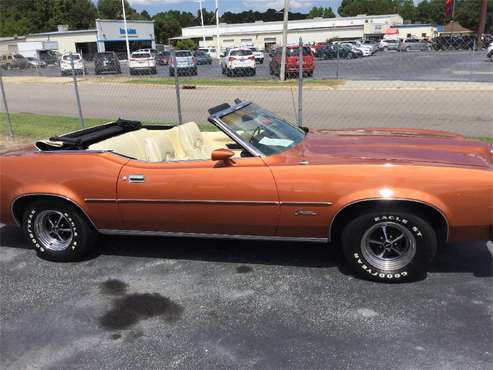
point(459, 107)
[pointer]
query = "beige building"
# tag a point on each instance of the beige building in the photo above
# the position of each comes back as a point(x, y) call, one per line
point(415, 31)
point(266, 35)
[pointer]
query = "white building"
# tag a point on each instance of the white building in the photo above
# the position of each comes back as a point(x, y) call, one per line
point(109, 35)
point(266, 35)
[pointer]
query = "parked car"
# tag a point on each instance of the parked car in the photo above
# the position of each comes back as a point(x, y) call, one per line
point(371, 43)
point(389, 44)
point(163, 58)
point(238, 61)
point(415, 44)
point(183, 63)
point(256, 177)
point(142, 61)
point(15, 61)
point(332, 51)
point(50, 57)
point(292, 56)
point(202, 57)
point(489, 53)
point(66, 64)
point(107, 62)
point(36, 63)
point(210, 51)
point(259, 55)
point(359, 49)
point(154, 52)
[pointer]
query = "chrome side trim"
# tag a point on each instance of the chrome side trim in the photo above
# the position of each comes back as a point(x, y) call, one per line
point(207, 201)
point(210, 236)
point(315, 204)
point(18, 222)
point(389, 199)
point(99, 200)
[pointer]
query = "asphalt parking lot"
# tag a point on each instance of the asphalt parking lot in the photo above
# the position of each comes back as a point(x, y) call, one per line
point(193, 303)
point(410, 66)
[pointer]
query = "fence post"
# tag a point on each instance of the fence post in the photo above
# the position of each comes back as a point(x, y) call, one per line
point(337, 64)
point(76, 87)
point(7, 114)
point(300, 84)
point(177, 86)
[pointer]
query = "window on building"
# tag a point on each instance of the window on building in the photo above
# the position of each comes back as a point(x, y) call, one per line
point(409, 35)
point(423, 34)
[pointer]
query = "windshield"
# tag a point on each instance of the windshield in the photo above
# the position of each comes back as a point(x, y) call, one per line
point(141, 55)
point(74, 56)
point(294, 52)
point(265, 131)
point(183, 54)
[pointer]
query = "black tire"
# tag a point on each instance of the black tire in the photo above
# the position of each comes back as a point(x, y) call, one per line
point(229, 72)
point(309, 74)
point(253, 72)
point(418, 245)
point(195, 71)
point(83, 236)
point(171, 73)
point(131, 71)
point(350, 56)
point(154, 71)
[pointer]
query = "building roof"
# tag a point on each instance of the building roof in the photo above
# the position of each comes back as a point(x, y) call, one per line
point(454, 27)
point(59, 33)
point(295, 25)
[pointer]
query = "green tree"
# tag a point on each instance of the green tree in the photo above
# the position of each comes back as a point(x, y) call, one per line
point(186, 45)
point(322, 12)
point(112, 9)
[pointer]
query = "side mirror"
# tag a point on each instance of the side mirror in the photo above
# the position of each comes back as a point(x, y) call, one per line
point(223, 155)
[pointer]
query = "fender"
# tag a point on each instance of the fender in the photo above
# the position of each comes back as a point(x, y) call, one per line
point(391, 194)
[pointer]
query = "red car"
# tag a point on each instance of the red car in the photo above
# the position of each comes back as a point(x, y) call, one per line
point(292, 67)
point(163, 58)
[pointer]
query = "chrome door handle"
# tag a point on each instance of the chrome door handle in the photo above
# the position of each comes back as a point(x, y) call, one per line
point(136, 178)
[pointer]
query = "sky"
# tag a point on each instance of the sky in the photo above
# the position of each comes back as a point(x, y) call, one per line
point(154, 6)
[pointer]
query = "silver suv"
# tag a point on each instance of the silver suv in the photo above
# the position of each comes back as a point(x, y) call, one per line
point(415, 44)
point(183, 63)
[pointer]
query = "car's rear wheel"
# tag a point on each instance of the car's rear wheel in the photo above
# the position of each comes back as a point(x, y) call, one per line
point(389, 246)
point(58, 231)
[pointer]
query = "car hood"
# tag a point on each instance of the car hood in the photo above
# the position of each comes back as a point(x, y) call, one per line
point(395, 145)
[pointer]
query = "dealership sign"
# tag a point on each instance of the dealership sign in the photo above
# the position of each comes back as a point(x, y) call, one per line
point(131, 31)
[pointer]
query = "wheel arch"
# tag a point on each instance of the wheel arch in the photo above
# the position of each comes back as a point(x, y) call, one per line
point(431, 213)
point(20, 203)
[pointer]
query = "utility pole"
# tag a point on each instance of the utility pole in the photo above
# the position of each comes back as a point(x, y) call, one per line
point(126, 30)
point(217, 34)
point(202, 21)
point(282, 74)
point(482, 23)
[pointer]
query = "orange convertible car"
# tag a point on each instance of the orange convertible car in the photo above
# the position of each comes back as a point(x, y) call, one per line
point(387, 197)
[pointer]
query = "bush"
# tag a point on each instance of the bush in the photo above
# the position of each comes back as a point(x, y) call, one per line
point(186, 45)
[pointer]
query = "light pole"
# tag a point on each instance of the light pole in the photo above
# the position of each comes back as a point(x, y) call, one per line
point(202, 21)
point(126, 30)
point(282, 74)
point(217, 33)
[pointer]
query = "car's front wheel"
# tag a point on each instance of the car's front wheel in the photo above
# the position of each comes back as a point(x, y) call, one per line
point(389, 246)
point(58, 231)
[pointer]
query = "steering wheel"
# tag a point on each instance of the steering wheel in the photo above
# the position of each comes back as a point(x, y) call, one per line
point(257, 130)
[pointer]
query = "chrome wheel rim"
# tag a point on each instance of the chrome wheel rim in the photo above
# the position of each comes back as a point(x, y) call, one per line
point(53, 229)
point(388, 246)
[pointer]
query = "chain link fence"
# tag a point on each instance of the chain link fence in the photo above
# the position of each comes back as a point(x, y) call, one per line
point(444, 84)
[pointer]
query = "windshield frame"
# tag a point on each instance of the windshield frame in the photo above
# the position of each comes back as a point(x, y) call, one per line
point(216, 119)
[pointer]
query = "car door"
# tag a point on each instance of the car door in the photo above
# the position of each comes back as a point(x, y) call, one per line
point(201, 196)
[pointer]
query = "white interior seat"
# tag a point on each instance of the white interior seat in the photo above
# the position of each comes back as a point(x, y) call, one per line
point(127, 144)
point(159, 148)
point(193, 142)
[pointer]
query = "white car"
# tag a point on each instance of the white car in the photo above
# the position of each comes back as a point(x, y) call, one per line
point(211, 51)
point(239, 61)
point(66, 64)
point(365, 49)
point(490, 52)
point(259, 55)
point(142, 61)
